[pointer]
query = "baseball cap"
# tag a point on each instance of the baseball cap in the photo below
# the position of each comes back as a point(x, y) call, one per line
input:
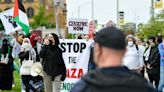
point(111, 37)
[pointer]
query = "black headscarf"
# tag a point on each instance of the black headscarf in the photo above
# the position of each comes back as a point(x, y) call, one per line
point(56, 39)
point(5, 46)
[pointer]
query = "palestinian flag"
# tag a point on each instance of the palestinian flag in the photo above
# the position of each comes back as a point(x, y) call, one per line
point(20, 16)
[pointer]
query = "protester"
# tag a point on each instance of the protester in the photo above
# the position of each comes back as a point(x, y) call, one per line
point(111, 76)
point(33, 39)
point(161, 51)
point(153, 64)
point(146, 56)
point(53, 63)
point(17, 42)
point(140, 43)
point(133, 58)
point(6, 66)
point(27, 52)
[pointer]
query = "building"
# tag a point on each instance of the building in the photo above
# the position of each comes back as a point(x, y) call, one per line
point(32, 8)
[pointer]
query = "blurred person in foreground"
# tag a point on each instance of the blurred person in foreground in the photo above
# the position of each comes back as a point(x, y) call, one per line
point(111, 75)
point(161, 51)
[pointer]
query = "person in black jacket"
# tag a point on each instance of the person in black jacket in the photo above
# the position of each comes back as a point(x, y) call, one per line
point(111, 76)
point(53, 63)
point(153, 64)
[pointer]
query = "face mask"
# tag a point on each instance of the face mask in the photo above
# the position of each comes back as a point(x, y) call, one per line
point(130, 43)
point(25, 45)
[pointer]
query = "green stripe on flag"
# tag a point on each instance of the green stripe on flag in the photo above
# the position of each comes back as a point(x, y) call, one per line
point(16, 19)
point(24, 27)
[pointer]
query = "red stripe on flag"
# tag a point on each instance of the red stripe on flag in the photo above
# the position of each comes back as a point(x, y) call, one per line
point(16, 13)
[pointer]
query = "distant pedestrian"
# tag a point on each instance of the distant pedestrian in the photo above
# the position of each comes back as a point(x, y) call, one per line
point(133, 58)
point(153, 63)
point(161, 82)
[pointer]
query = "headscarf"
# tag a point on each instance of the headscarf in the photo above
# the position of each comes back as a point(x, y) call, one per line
point(56, 38)
point(26, 46)
point(5, 46)
point(32, 39)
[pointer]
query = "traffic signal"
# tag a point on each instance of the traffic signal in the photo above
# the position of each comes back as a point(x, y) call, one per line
point(121, 18)
point(158, 4)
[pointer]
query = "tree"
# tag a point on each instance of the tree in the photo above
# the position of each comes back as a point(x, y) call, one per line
point(154, 27)
point(42, 19)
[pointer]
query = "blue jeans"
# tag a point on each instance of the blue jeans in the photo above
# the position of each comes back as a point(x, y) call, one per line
point(161, 82)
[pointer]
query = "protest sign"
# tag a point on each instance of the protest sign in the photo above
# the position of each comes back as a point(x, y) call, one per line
point(76, 54)
point(78, 26)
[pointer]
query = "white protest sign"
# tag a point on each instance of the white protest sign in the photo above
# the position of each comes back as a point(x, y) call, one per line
point(78, 26)
point(76, 54)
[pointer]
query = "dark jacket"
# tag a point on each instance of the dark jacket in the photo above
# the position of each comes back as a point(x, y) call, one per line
point(53, 63)
point(154, 61)
point(24, 56)
point(118, 79)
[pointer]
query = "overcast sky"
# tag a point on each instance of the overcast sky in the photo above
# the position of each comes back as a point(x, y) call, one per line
point(105, 10)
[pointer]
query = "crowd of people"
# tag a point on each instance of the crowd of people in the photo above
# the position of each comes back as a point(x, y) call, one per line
point(117, 63)
point(30, 50)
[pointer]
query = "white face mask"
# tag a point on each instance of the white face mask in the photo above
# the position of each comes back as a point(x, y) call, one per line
point(25, 45)
point(130, 43)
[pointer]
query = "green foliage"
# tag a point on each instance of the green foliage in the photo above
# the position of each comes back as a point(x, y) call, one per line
point(153, 27)
point(70, 36)
point(42, 19)
point(127, 32)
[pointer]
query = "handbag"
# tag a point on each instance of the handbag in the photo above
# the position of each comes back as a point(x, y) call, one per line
point(25, 68)
point(37, 69)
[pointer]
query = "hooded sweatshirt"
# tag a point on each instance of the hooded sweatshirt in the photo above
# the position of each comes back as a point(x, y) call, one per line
point(114, 79)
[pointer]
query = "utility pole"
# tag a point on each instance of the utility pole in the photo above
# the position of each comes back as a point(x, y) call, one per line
point(93, 10)
point(152, 9)
point(56, 4)
point(78, 11)
point(118, 12)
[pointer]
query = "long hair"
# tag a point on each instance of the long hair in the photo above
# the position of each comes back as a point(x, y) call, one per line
point(56, 39)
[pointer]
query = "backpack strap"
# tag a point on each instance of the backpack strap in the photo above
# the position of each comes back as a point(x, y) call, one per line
point(137, 47)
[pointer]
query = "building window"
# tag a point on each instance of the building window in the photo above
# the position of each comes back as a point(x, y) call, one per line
point(7, 1)
point(30, 12)
point(30, 0)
